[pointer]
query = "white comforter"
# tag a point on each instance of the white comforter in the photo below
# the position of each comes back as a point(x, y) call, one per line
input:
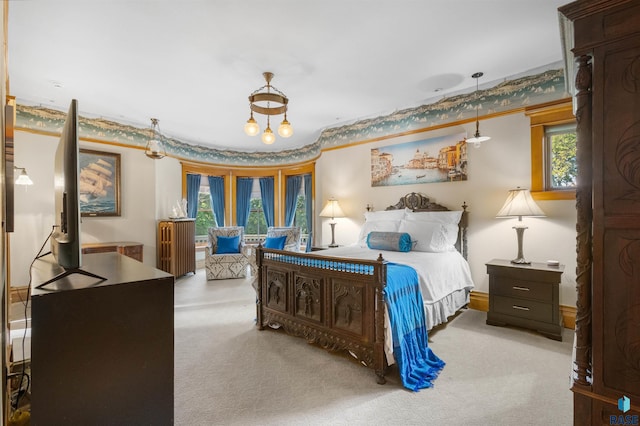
point(440, 274)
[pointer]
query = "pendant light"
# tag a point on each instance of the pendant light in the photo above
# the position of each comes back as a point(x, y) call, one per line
point(477, 139)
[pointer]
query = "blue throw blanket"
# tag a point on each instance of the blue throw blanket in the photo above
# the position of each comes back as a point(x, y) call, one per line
point(417, 364)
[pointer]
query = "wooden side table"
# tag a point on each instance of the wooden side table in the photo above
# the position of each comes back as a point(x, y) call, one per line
point(132, 249)
point(526, 296)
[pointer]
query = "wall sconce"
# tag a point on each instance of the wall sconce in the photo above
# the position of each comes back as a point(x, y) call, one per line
point(23, 178)
point(332, 209)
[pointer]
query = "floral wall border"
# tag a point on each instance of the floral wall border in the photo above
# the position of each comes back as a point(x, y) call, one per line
point(540, 88)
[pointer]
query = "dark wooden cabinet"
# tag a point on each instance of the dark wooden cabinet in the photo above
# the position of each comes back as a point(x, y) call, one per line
point(128, 248)
point(606, 50)
point(102, 351)
point(525, 296)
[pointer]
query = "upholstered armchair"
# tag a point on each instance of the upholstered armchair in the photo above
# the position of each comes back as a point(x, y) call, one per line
point(283, 238)
point(292, 234)
point(227, 256)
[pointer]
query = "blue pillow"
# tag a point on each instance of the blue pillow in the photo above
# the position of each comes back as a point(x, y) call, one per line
point(275, 242)
point(394, 241)
point(228, 245)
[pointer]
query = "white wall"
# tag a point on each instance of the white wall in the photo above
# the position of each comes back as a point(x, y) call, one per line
point(500, 164)
point(149, 189)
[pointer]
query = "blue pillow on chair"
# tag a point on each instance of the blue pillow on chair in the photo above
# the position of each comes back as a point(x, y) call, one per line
point(275, 242)
point(228, 245)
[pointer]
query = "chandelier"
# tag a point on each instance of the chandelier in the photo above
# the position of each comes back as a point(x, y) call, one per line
point(154, 148)
point(260, 101)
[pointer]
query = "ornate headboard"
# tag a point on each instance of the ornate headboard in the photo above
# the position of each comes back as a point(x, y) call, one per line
point(419, 203)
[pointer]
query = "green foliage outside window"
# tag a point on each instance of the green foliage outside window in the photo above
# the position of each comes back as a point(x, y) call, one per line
point(256, 224)
point(204, 218)
point(563, 160)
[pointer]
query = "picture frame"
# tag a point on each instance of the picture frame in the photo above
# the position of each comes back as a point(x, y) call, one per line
point(99, 183)
point(433, 160)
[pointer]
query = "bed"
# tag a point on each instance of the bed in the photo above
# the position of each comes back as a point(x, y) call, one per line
point(336, 298)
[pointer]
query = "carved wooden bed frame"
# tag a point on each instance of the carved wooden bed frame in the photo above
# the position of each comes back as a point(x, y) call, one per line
point(339, 306)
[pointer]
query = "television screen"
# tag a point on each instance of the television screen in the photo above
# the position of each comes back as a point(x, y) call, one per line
point(65, 241)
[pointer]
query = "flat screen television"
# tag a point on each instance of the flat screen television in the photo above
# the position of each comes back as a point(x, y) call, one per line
point(65, 240)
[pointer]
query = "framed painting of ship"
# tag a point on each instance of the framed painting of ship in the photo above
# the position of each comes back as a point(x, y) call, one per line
point(99, 183)
point(440, 159)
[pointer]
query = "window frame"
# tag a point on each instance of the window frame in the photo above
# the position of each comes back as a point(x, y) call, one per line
point(540, 118)
point(229, 174)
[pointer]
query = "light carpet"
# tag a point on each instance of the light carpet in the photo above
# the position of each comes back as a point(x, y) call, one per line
point(227, 372)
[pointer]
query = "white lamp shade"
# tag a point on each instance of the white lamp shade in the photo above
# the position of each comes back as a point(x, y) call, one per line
point(520, 203)
point(332, 209)
point(23, 179)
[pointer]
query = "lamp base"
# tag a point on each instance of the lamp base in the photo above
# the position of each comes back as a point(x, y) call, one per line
point(520, 260)
point(333, 235)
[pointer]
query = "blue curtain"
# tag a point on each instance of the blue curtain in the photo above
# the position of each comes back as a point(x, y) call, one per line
point(193, 188)
point(243, 200)
point(290, 199)
point(216, 190)
point(308, 205)
point(267, 196)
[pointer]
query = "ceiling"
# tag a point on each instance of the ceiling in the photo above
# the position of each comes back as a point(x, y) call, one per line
point(192, 64)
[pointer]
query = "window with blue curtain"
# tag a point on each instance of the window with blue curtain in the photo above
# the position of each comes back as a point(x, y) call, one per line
point(293, 185)
point(193, 189)
point(308, 204)
point(267, 197)
point(243, 199)
point(216, 190)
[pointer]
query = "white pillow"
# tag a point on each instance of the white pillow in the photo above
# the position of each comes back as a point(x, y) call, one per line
point(376, 225)
point(384, 215)
point(445, 217)
point(430, 236)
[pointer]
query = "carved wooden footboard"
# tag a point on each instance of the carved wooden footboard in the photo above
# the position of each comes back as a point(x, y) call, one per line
point(334, 302)
point(337, 303)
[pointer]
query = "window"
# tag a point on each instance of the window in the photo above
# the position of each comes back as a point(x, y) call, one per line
point(257, 223)
point(560, 170)
point(205, 217)
point(553, 152)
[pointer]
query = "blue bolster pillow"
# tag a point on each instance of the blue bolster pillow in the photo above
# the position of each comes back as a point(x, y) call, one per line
point(394, 241)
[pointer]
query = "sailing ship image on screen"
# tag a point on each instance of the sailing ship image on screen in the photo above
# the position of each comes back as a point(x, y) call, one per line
point(96, 185)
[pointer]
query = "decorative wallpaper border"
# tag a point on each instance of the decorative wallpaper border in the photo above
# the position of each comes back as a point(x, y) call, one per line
point(547, 86)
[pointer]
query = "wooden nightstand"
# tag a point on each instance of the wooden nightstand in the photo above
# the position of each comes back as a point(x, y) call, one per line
point(525, 296)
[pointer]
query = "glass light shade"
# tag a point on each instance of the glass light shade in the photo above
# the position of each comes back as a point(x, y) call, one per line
point(476, 140)
point(154, 146)
point(268, 137)
point(285, 130)
point(251, 128)
point(24, 179)
point(332, 209)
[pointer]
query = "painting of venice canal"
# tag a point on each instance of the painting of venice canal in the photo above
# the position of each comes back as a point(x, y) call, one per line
point(442, 159)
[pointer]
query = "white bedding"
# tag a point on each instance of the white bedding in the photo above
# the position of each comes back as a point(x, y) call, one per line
point(445, 281)
point(440, 274)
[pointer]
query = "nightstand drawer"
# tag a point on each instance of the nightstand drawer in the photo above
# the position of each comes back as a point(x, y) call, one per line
point(522, 308)
point(511, 287)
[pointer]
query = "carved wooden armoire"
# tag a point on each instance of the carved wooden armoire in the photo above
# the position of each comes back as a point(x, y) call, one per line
point(606, 49)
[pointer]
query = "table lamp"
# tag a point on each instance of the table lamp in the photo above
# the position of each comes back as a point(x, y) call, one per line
point(332, 209)
point(520, 203)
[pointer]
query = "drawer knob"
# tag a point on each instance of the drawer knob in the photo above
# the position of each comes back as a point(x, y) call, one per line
point(515, 287)
point(521, 308)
